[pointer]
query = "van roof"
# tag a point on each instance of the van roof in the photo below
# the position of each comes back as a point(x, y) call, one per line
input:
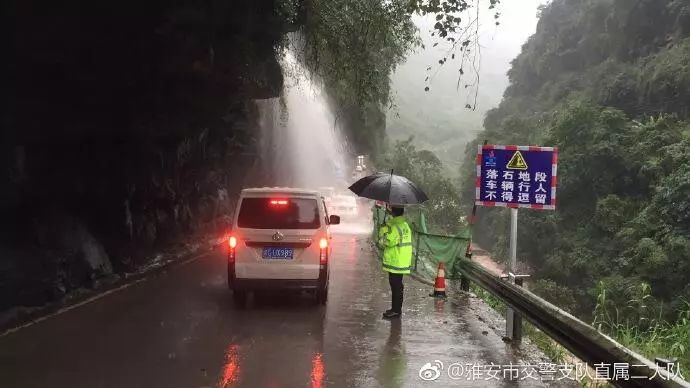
point(280, 190)
point(344, 198)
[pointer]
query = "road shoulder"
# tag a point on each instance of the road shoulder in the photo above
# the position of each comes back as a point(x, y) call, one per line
point(21, 317)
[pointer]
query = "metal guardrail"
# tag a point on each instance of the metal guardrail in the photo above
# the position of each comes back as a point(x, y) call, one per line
point(583, 340)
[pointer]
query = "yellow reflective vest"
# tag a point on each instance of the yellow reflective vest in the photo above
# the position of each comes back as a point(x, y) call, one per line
point(395, 237)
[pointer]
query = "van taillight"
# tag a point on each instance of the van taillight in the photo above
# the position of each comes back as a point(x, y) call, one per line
point(323, 253)
point(232, 243)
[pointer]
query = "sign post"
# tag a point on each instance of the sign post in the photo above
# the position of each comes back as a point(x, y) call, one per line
point(512, 268)
point(516, 177)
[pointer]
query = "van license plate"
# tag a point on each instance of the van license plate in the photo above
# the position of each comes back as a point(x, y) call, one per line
point(277, 253)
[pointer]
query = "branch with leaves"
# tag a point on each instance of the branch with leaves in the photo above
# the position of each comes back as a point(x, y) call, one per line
point(457, 24)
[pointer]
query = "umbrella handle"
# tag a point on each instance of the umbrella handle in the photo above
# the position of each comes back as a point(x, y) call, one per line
point(390, 186)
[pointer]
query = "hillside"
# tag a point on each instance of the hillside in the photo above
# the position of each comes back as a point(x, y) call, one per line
point(608, 82)
point(438, 118)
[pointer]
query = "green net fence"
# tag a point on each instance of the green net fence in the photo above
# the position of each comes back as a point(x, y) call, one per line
point(429, 249)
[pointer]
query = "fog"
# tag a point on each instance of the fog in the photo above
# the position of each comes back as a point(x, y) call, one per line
point(438, 118)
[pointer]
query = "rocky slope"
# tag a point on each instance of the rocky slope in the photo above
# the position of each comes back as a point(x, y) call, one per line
point(130, 127)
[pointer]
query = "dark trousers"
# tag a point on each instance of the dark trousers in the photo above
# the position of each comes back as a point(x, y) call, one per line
point(396, 282)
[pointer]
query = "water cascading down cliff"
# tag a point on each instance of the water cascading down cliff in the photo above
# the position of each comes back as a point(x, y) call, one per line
point(301, 143)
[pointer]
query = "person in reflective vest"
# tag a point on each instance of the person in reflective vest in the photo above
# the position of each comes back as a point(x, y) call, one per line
point(395, 237)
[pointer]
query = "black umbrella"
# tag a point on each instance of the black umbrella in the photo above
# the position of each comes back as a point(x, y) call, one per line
point(394, 189)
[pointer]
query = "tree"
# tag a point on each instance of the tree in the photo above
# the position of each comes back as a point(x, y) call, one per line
point(425, 169)
point(353, 46)
point(457, 28)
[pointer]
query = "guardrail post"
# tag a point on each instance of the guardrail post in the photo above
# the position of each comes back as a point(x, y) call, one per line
point(464, 280)
point(513, 317)
point(464, 283)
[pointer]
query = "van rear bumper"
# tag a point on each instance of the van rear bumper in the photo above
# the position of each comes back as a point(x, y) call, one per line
point(274, 284)
point(248, 284)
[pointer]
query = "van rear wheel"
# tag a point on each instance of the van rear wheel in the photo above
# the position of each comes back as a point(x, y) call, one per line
point(322, 296)
point(240, 298)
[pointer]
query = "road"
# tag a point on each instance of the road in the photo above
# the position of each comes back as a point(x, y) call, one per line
point(181, 329)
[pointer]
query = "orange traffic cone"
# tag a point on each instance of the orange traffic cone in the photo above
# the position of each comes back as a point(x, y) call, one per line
point(440, 283)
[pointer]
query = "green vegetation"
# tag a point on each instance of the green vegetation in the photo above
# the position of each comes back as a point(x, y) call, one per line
point(353, 47)
point(638, 323)
point(443, 210)
point(608, 82)
point(611, 90)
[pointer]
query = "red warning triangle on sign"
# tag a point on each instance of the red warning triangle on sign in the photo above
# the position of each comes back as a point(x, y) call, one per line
point(517, 162)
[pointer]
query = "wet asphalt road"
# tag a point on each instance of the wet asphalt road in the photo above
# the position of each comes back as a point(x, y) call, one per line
point(181, 329)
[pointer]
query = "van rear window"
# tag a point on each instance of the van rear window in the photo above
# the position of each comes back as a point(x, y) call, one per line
point(279, 213)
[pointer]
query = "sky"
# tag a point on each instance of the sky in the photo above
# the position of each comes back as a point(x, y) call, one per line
point(438, 118)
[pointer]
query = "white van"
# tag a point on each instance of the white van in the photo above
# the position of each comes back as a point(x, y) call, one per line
point(344, 205)
point(280, 239)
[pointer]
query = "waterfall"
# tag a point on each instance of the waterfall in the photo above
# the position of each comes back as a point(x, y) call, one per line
point(301, 143)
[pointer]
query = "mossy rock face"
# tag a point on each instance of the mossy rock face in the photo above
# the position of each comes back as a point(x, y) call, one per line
point(131, 123)
point(264, 80)
point(131, 115)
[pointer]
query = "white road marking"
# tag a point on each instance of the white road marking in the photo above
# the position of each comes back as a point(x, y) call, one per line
point(96, 297)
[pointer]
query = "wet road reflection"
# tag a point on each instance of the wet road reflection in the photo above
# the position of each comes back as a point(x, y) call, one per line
point(392, 362)
point(318, 373)
point(231, 369)
point(162, 332)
